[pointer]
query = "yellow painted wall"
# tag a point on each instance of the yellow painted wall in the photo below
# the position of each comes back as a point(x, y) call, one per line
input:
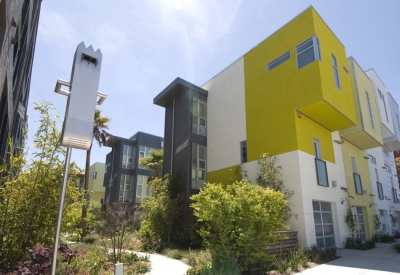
point(366, 201)
point(272, 96)
point(363, 135)
point(225, 176)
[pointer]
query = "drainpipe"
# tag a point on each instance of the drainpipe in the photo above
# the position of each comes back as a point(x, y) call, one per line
point(173, 130)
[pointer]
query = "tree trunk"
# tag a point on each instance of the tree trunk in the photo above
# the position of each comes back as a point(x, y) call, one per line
point(85, 190)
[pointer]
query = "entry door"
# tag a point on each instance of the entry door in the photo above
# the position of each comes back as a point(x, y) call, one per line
point(323, 224)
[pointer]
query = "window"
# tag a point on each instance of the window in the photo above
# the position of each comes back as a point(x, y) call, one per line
point(384, 104)
point(359, 223)
point(395, 198)
point(357, 178)
point(143, 190)
point(198, 166)
point(94, 175)
point(279, 61)
point(243, 152)
point(335, 71)
point(307, 52)
point(128, 155)
point(199, 117)
point(398, 121)
point(144, 152)
point(382, 218)
point(388, 168)
point(370, 112)
point(345, 69)
point(380, 190)
point(125, 187)
point(320, 165)
point(372, 159)
point(323, 224)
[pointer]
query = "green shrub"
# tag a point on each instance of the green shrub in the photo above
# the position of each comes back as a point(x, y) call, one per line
point(355, 243)
point(396, 247)
point(173, 253)
point(385, 238)
point(396, 234)
point(198, 257)
point(233, 219)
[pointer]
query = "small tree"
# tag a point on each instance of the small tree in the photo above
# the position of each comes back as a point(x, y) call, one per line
point(116, 223)
point(161, 213)
point(154, 162)
point(240, 219)
point(29, 194)
point(269, 177)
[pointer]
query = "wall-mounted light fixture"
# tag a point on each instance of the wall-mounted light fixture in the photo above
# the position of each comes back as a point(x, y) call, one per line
point(341, 200)
point(366, 157)
point(338, 141)
point(344, 188)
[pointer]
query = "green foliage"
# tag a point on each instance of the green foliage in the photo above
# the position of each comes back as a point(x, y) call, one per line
point(173, 253)
point(153, 162)
point(377, 222)
point(30, 192)
point(227, 267)
point(198, 257)
point(270, 177)
point(160, 216)
point(116, 223)
point(385, 238)
point(239, 220)
point(396, 247)
point(320, 255)
point(355, 243)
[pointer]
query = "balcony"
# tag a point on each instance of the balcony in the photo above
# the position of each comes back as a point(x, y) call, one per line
point(322, 172)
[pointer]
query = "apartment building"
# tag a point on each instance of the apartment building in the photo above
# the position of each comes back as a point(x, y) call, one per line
point(297, 96)
point(96, 180)
point(125, 180)
point(18, 29)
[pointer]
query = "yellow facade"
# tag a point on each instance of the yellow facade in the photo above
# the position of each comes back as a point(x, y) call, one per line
point(224, 176)
point(364, 200)
point(272, 97)
point(366, 133)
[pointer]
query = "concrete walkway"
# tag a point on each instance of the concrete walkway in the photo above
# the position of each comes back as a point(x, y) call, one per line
point(381, 260)
point(161, 265)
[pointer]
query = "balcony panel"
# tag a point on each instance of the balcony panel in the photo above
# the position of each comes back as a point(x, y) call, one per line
point(362, 140)
point(325, 114)
point(393, 143)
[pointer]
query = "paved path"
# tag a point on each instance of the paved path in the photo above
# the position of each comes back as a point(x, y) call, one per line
point(161, 265)
point(381, 260)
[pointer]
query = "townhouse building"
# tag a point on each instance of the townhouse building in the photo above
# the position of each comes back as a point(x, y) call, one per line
point(18, 29)
point(297, 96)
point(125, 180)
point(96, 180)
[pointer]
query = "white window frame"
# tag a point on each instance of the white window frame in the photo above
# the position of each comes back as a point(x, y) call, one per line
point(125, 186)
point(322, 223)
point(316, 50)
point(336, 71)
point(372, 158)
point(197, 120)
point(370, 111)
point(196, 167)
point(278, 61)
point(359, 223)
point(144, 191)
point(128, 155)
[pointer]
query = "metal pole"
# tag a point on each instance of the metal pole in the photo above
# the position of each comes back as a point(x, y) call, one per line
point(60, 210)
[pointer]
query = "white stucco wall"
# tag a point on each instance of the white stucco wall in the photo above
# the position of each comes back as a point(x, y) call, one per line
point(299, 173)
point(226, 116)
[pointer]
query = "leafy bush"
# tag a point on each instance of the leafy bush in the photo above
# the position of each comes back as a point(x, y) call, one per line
point(198, 257)
point(385, 238)
point(228, 267)
point(355, 243)
point(239, 220)
point(173, 253)
point(396, 234)
point(396, 247)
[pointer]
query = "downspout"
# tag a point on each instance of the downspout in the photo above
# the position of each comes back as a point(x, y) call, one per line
point(173, 130)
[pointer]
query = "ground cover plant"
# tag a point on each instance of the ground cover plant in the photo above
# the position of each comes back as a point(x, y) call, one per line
point(355, 243)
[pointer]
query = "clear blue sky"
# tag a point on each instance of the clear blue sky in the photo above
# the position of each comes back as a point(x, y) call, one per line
point(147, 44)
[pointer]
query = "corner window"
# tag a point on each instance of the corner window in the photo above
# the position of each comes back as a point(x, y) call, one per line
point(359, 223)
point(144, 152)
point(336, 71)
point(307, 52)
point(199, 160)
point(94, 175)
point(199, 117)
point(125, 187)
point(243, 152)
point(278, 61)
point(143, 190)
point(127, 159)
point(395, 198)
point(372, 159)
point(370, 112)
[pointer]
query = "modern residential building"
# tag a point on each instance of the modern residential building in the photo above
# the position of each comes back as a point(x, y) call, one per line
point(18, 28)
point(296, 96)
point(125, 180)
point(96, 180)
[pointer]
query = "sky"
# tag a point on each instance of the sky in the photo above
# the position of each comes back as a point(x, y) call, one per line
point(147, 44)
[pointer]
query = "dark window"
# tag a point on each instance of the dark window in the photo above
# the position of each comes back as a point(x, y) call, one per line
point(357, 181)
point(243, 152)
point(380, 190)
point(322, 173)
